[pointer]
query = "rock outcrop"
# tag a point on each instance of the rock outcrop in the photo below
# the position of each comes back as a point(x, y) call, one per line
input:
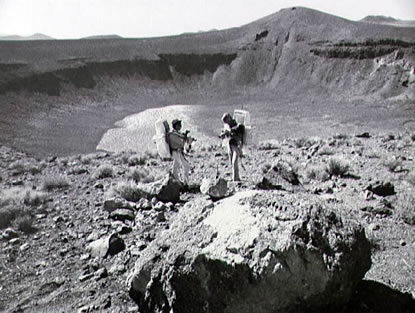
point(166, 189)
point(257, 251)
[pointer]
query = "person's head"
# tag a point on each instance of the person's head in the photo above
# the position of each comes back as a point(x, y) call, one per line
point(227, 118)
point(177, 124)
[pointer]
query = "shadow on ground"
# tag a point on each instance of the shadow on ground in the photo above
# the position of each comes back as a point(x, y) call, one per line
point(374, 297)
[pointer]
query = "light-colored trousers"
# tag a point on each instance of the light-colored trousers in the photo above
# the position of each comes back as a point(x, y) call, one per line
point(234, 153)
point(180, 163)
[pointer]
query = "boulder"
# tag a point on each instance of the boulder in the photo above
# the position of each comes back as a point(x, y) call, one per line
point(113, 204)
point(166, 189)
point(382, 189)
point(123, 215)
point(256, 251)
point(109, 245)
point(216, 188)
point(280, 176)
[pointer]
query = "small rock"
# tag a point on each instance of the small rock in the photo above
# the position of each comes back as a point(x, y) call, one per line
point(374, 227)
point(117, 269)
point(24, 247)
point(122, 215)
point(10, 233)
point(101, 273)
point(402, 242)
point(215, 188)
point(85, 257)
point(382, 189)
point(85, 277)
point(112, 204)
point(104, 246)
point(363, 135)
point(84, 309)
point(14, 241)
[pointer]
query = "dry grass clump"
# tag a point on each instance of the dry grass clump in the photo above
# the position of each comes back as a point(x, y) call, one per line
point(128, 190)
point(337, 167)
point(269, 145)
point(318, 173)
point(104, 171)
point(16, 206)
point(34, 198)
point(55, 182)
point(20, 167)
point(135, 160)
point(142, 175)
point(326, 150)
point(405, 208)
point(24, 223)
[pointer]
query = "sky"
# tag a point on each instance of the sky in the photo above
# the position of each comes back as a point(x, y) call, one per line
point(66, 19)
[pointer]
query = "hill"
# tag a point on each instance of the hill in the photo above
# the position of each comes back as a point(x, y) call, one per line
point(36, 36)
point(297, 63)
point(388, 21)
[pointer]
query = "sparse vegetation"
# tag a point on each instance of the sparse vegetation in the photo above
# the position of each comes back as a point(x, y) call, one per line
point(318, 173)
point(104, 171)
point(337, 167)
point(16, 203)
point(326, 150)
point(128, 190)
point(34, 198)
point(20, 167)
point(142, 175)
point(269, 145)
point(24, 223)
point(55, 182)
point(135, 160)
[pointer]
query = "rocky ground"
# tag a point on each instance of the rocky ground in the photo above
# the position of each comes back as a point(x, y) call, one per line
point(54, 211)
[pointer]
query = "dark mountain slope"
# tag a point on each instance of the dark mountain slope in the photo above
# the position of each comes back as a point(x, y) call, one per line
point(295, 47)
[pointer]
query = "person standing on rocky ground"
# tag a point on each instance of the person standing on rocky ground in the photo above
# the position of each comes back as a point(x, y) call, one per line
point(233, 133)
point(177, 141)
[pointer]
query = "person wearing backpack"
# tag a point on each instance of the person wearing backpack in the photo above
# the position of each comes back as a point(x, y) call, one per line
point(233, 133)
point(177, 141)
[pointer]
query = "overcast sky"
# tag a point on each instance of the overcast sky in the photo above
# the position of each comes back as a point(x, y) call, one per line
point(148, 18)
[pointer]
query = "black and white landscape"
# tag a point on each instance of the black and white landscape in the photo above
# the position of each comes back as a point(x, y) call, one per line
point(322, 222)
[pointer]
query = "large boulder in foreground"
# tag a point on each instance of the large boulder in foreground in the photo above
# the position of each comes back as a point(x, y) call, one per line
point(257, 251)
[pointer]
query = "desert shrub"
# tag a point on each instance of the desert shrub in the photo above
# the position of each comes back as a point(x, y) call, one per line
point(413, 137)
point(86, 159)
point(326, 150)
point(128, 190)
point(269, 145)
point(9, 213)
point(301, 142)
point(142, 175)
point(18, 167)
point(54, 182)
point(135, 160)
point(337, 167)
point(317, 173)
point(24, 223)
point(405, 208)
point(104, 171)
point(34, 198)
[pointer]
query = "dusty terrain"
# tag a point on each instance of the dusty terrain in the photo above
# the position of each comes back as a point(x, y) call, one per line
point(300, 73)
point(60, 203)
